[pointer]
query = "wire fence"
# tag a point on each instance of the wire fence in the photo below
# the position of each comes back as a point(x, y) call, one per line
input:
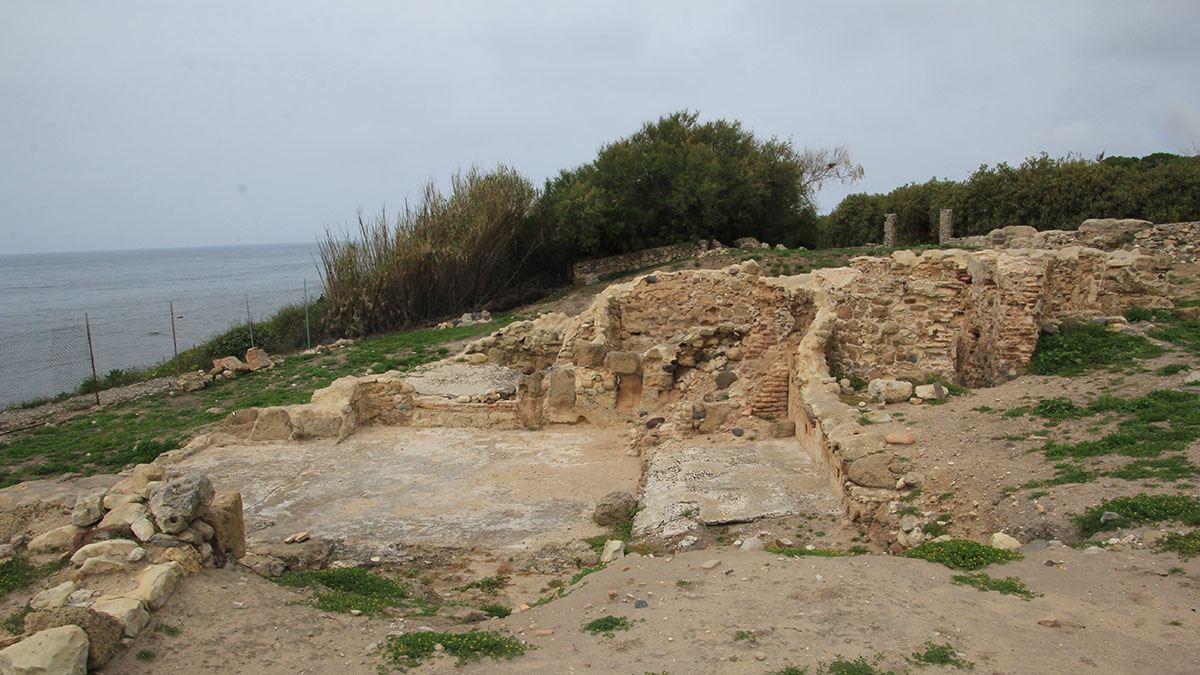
point(43, 363)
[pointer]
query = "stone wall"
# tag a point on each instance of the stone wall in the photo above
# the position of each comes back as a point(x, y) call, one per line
point(588, 272)
point(1180, 241)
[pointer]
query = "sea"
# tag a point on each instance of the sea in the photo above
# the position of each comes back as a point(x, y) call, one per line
point(49, 301)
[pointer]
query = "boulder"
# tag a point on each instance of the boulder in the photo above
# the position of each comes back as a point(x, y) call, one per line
point(901, 438)
point(872, 471)
point(178, 502)
point(128, 612)
point(224, 515)
point(746, 243)
point(193, 381)
point(309, 554)
point(889, 391)
point(725, 378)
point(752, 544)
point(614, 507)
point(138, 481)
point(781, 429)
point(57, 651)
point(114, 499)
point(103, 631)
point(1108, 233)
point(143, 529)
point(124, 515)
point(1004, 542)
point(117, 549)
point(614, 549)
point(99, 565)
point(55, 541)
point(188, 558)
point(267, 566)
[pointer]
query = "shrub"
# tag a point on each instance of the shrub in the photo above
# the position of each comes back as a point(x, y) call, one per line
point(1138, 509)
point(605, 625)
point(961, 554)
point(1186, 545)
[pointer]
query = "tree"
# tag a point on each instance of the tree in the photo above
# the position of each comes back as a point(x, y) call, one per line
point(678, 180)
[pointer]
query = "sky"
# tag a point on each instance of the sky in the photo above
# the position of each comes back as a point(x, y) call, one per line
point(168, 123)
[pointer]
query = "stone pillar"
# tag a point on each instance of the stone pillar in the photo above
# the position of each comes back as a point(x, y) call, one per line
point(945, 226)
point(889, 230)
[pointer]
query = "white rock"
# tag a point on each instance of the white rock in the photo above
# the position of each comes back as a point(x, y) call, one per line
point(57, 651)
point(614, 549)
point(752, 544)
point(101, 564)
point(114, 499)
point(890, 391)
point(155, 584)
point(58, 539)
point(143, 529)
point(709, 564)
point(124, 515)
point(1004, 542)
point(113, 548)
point(53, 597)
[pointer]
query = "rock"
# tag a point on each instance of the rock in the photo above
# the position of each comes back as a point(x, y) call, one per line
point(1109, 516)
point(911, 479)
point(103, 631)
point(614, 507)
point(872, 471)
point(57, 651)
point(55, 541)
point(124, 516)
point(589, 354)
point(1193, 377)
point(781, 429)
point(877, 417)
point(900, 438)
point(614, 549)
point(751, 268)
point(113, 548)
point(298, 538)
point(930, 392)
point(654, 422)
point(463, 614)
point(710, 564)
point(909, 522)
point(845, 386)
point(746, 243)
point(188, 558)
point(1004, 542)
point(128, 612)
point(114, 499)
point(138, 481)
point(53, 597)
point(725, 378)
point(155, 584)
point(224, 515)
point(306, 555)
point(267, 566)
point(734, 354)
point(100, 565)
point(180, 501)
point(640, 604)
point(623, 363)
point(752, 544)
point(89, 509)
point(203, 529)
point(143, 529)
point(193, 381)
point(889, 391)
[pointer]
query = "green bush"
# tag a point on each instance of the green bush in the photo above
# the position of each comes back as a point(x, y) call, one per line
point(679, 180)
point(961, 554)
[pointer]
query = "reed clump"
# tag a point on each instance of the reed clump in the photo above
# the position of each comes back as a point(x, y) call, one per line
point(445, 254)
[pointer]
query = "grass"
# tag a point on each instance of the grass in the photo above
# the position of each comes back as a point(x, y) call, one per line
point(961, 554)
point(411, 649)
point(1186, 545)
point(348, 589)
point(489, 585)
point(584, 572)
point(1088, 346)
point(1006, 586)
point(15, 623)
point(496, 611)
point(939, 655)
point(1139, 509)
point(166, 629)
point(605, 625)
point(138, 431)
point(17, 573)
point(1172, 369)
point(745, 635)
point(799, 551)
point(146, 655)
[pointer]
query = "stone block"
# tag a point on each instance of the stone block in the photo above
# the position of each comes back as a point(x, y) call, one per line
point(129, 612)
point(113, 548)
point(103, 631)
point(60, 651)
point(623, 363)
point(155, 584)
point(57, 540)
point(177, 503)
point(224, 516)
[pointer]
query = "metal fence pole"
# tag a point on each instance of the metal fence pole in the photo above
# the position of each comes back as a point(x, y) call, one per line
point(174, 340)
point(249, 322)
point(92, 355)
point(307, 330)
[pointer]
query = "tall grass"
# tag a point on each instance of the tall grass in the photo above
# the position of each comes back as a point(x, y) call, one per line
point(444, 255)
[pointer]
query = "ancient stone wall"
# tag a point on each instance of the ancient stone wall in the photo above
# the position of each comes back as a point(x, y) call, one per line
point(589, 272)
point(1180, 241)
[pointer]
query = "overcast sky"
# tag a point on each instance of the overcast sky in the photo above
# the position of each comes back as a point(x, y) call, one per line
point(158, 124)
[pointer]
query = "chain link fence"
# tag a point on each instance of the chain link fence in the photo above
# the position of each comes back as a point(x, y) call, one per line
point(44, 363)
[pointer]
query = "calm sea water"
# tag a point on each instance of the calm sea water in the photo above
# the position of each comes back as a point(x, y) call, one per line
point(126, 296)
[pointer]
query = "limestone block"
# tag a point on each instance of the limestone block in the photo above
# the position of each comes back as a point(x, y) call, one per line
point(589, 354)
point(614, 549)
point(57, 651)
point(124, 515)
point(177, 503)
point(272, 424)
point(89, 509)
point(890, 391)
point(54, 541)
point(114, 499)
point(614, 507)
point(560, 394)
point(138, 480)
point(224, 516)
point(143, 529)
point(188, 558)
point(129, 612)
point(930, 392)
point(1004, 542)
point(113, 548)
point(103, 632)
point(623, 363)
point(872, 471)
point(99, 565)
point(155, 584)
point(53, 597)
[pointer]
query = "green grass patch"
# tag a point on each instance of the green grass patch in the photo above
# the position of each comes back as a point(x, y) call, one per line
point(15, 623)
point(1006, 586)
point(939, 655)
point(800, 551)
point(584, 572)
point(1185, 334)
point(346, 589)
point(17, 573)
point(745, 635)
point(145, 655)
point(496, 611)
point(961, 554)
point(1074, 351)
point(1172, 369)
point(411, 649)
point(1059, 409)
point(605, 625)
point(1137, 510)
point(1186, 545)
point(489, 585)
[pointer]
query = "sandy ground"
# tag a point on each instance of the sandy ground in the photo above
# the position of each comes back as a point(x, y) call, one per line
point(1102, 612)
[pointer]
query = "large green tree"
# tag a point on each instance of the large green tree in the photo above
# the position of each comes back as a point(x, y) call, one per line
point(681, 180)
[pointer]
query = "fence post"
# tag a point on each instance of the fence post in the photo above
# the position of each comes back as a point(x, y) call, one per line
point(174, 341)
point(945, 226)
point(889, 230)
point(92, 356)
point(307, 330)
point(249, 322)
